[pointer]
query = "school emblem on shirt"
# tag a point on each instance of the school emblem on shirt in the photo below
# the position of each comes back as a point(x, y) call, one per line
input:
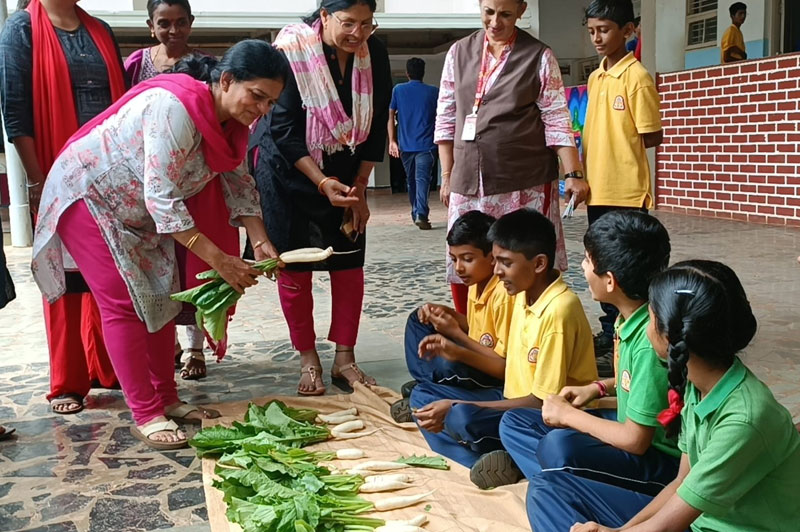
point(619, 103)
point(487, 340)
point(625, 380)
point(533, 355)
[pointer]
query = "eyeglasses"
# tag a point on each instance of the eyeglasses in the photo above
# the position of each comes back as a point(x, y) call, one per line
point(350, 27)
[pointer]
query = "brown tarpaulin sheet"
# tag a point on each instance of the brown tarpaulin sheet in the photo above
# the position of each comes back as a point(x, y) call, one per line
point(456, 505)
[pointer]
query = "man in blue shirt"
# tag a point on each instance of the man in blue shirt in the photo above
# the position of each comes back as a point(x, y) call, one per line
point(413, 108)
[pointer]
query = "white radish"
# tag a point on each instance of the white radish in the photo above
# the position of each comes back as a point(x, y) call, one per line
point(338, 420)
point(349, 426)
point(399, 527)
point(395, 477)
point(379, 465)
point(378, 487)
point(419, 520)
point(305, 255)
point(340, 413)
point(349, 454)
point(352, 435)
point(393, 503)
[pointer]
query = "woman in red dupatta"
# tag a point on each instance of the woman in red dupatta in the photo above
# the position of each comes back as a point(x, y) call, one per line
point(116, 204)
point(50, 49)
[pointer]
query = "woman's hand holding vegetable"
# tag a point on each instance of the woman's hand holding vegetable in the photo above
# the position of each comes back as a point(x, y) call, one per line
point(431, 416)
point(580, 396)
point(556, 410)
point(235, 272)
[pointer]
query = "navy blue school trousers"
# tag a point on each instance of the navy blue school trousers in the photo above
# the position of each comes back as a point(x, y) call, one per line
point(437, 369)
point(535, 447)
point(469, 431)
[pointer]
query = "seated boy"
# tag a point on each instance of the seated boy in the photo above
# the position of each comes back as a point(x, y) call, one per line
point(445, 347)
point(549, 346)
point(626, 447)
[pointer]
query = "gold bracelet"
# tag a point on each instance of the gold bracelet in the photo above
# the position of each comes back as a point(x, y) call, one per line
point(322, 183)
point(192, 241)
point(259, 244)
point(446, 174)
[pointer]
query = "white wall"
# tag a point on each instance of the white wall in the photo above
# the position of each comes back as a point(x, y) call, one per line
point(431, 6)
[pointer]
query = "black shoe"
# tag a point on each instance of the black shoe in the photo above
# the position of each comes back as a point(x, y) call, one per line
point(602, 344)
point(401, 411)
point(494, 469)
point(405, 389)
point(423, 223)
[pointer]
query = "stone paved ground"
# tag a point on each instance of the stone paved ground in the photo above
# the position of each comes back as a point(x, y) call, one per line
point(87, 473)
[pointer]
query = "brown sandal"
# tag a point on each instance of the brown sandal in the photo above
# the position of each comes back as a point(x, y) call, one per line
point(345, 384)
point(196, 356)
point(315, 373)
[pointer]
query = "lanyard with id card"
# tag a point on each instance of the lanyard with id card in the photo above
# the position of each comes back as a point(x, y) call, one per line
point(470, 130)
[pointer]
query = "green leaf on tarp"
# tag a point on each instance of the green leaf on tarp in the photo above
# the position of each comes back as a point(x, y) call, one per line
point(430, 462)
point(217, 440)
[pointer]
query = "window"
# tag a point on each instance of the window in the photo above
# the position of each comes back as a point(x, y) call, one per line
point(701, 23)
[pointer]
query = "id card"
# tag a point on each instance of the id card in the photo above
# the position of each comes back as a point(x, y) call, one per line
point(470, 127)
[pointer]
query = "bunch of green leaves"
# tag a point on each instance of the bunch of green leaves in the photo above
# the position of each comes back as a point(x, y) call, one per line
point(214, 298)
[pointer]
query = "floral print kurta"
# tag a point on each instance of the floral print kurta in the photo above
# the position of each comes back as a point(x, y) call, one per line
point(133, 172)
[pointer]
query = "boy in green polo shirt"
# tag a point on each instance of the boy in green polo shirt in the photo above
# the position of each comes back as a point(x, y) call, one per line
point(740, 467)
point(626, 447)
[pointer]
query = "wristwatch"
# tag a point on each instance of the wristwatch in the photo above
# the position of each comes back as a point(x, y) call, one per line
point(577, 174)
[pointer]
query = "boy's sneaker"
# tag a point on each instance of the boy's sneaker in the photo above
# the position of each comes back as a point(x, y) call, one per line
point(494, 469)
point(405, 389)
point(423, 223)
point(602, 344)
point(401, 411)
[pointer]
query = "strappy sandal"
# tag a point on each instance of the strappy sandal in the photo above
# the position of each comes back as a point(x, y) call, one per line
point(151, 428)
point(66, 399)
point(7, 432)
point(178, 355)
point(197, 356)
point(181, 412)
point(315, 374)
point(342, 382)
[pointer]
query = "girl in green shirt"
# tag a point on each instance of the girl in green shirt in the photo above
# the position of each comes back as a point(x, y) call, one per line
point(740, 463)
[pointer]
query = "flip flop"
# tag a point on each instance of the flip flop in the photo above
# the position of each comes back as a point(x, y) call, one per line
point(145, 432)
point(315, 373)
point(7, 432)
point(180, 412)
point(66, 399)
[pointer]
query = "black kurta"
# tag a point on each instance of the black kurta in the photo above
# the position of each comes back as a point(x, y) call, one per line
point(295, 213)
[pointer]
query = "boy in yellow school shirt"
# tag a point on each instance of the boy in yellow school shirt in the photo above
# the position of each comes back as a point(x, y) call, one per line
point(448, 348)
point(622, 120)
point(549, 347)
point(732, 46)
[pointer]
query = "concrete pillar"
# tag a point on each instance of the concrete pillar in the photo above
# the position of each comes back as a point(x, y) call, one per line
point(18, 210)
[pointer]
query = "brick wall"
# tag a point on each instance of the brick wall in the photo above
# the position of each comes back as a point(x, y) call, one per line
point(732, 141)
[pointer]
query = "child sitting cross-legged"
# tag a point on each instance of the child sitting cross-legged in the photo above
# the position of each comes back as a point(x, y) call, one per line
point(445, 347)
point(549, 346)
point(740, 462)
point(626, 447)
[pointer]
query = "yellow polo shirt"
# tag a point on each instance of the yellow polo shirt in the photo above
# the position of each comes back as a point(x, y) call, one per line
point(733, 37)
point(489, 316)
point(549, 344)
point(623, 106)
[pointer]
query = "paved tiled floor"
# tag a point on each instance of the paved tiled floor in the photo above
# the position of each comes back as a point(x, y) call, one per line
point(87, 473)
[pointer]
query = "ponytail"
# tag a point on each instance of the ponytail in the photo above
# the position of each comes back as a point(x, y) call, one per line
point(200, 67)
point(677, 358)
point(246, 60)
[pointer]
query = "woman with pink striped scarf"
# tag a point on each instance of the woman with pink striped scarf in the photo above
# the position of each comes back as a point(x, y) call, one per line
point(317, 150)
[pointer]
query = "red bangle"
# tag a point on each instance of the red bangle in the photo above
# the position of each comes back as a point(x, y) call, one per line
point(602, 387)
